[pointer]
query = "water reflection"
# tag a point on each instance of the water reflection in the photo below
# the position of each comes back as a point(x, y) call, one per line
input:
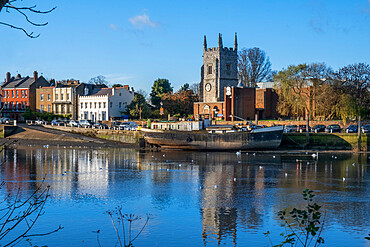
point(236, 196)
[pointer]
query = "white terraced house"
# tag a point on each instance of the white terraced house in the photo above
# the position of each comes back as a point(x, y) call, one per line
point(105, 104)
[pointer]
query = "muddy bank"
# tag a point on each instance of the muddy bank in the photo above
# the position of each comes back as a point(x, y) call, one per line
point(39, 136)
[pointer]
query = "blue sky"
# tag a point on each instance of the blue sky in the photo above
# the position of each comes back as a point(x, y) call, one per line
point(136, 42)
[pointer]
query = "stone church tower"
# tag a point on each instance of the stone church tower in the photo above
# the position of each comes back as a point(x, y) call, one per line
point(219, 70)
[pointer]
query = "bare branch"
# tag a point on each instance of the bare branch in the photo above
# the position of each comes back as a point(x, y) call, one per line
point(30, 35)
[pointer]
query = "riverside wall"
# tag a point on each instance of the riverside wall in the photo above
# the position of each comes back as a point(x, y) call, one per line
point(318, 141)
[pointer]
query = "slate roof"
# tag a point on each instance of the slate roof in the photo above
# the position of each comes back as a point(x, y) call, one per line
point(102, 91)
point(24, 82)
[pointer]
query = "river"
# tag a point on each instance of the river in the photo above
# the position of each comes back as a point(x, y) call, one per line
point(192, 198)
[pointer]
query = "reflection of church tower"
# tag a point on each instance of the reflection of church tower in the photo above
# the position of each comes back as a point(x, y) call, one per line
point(219, 70)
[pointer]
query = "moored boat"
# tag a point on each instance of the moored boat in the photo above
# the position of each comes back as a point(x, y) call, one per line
point(215, 139)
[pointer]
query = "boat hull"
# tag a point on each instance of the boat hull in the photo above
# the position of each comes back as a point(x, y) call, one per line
point(267, 138)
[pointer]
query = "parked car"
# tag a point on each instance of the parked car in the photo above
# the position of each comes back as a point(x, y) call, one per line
point(100, 126)
point(128, 126)
point(73, 123)
point(333, 128)
point(56, 122)
point(318, 128)
point(115, 124)
point(365, 128)
point(290, 128)
point(301, 128)
point(4, 120)
point(84, 123)
point(352, 128)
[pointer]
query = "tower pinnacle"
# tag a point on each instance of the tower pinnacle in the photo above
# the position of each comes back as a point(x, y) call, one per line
point(236, 43)
point(205, 43)
point(220, 41)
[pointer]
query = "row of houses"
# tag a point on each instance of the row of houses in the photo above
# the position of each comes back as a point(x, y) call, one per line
point(70, 99)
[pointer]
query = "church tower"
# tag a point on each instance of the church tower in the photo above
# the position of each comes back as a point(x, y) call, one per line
point(219, 70)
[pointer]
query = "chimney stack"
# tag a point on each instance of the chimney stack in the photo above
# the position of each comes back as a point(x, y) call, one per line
point(8, 76)
point(19, 76)
point(35, 75)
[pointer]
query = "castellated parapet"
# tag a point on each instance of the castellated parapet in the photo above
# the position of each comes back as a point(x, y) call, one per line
point(219, 70)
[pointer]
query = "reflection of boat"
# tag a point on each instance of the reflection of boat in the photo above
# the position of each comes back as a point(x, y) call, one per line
point(215, 139)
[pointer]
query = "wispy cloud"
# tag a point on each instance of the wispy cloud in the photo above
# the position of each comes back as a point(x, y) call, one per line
point(141, 21)
point(118, 78)
point(113, 26)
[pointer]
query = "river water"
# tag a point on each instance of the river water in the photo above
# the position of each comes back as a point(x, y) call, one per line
point(192, 198)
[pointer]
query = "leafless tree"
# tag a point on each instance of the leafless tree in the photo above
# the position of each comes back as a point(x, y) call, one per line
point(18, 7)
point(253, 66)
point(98, 80)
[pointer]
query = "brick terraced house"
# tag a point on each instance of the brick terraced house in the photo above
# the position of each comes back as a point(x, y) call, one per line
point(19, 93)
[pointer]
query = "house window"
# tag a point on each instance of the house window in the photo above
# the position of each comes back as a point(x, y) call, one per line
point(209, 69)
point(95, 105)
point(99, 104)
point(120, 104)
point(104, 105)
point(16, 92)
point(67, 96)
point(22, 94)
point(7, 94)
point(82, 105)
point(228, 66)
point(49, 97)
point(12, 94)
point(90, 105)
point(61, 96)
point(85, 104)
point(41, 108)
point(56, 96)
point(42, 97)
point(25, 93)
point(111, 104)
point(49, 108)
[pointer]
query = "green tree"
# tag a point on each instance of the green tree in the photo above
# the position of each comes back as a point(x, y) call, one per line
point(138, 108)
point(299, 86)
point(117, 85)
point(159, 88)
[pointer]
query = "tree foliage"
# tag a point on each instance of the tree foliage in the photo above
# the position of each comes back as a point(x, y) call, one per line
point(253, 66)
point(17, 6)
point(180, 103)
point(159, 88)
point(138, 108)
point(117, 85)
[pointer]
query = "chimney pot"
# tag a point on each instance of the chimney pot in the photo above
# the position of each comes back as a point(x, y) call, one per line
point(35, 75)
point(8, 76)
point(19, 76)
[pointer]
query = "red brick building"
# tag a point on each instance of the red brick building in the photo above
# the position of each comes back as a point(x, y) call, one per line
point(19, 93)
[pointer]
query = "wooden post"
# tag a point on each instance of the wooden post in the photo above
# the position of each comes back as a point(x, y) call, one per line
point(359, 134)
point(307, 130)
point(256, 118)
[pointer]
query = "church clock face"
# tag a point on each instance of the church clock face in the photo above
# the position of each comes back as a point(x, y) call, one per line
point(208, 87)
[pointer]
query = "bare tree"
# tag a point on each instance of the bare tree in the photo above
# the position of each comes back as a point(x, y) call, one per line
point(253, 65)
point(13, 5)
point(98, 80)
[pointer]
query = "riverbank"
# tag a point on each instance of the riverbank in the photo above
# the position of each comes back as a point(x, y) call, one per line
point(26, 135)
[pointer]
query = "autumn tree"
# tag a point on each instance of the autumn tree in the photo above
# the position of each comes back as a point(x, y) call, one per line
point(253, 66)
point(159, 88)
point(17, 6)
point(180, 103)
point(138, 108)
